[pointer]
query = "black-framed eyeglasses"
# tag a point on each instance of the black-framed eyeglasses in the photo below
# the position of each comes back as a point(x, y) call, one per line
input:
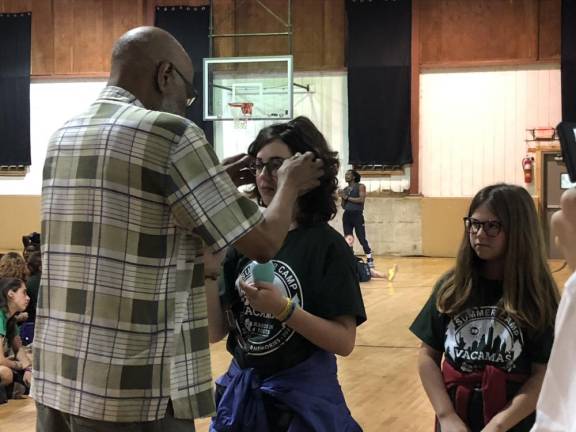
point(491, 227)
point(192, 94)
point(272, 166)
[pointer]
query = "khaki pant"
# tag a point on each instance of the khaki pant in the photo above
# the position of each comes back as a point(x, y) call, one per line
point(51, 420)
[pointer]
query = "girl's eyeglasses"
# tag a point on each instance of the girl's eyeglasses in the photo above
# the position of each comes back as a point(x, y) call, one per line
point(272, 166)
point(491, 227)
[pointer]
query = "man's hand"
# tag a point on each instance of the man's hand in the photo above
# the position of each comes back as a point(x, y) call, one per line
point(21, 317)
point(302, 172)
point(237, 169)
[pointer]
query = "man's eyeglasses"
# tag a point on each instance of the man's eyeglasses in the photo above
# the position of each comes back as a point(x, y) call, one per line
point(491, 227)
point(192, 94)
point(272, 166)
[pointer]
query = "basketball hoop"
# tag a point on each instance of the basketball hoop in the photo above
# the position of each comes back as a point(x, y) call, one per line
point(242, 112)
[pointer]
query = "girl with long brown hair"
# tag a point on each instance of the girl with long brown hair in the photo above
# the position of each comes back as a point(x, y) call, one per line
point(14, 363)
point(491, 318)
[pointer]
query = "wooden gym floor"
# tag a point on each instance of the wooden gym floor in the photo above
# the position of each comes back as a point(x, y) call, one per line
point(379, 378)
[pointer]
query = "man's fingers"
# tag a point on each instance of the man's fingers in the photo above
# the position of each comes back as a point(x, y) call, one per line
point(230, 160)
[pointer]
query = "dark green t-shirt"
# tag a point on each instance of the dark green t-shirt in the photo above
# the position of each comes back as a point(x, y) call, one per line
point(4, 330)
point(481, 335)
point(3, 323)
point(316, 268)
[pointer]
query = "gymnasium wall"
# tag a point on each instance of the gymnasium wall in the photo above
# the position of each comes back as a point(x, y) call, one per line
point(74, 37)
point(472, 134)
point(487, 70)
point(473, 125)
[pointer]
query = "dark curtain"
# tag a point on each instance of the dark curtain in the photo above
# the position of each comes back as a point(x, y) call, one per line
point(379, 47)
point(568, 60)
point(15, 43)
point(190, 26)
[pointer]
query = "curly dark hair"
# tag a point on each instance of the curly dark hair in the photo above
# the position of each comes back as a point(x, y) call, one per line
point(13, 265)
point(301, 135)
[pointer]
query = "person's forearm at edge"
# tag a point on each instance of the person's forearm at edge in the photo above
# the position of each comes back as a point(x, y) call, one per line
point(217, 327)
point(265, 239)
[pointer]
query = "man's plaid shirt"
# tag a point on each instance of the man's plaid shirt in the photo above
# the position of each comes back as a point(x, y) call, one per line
point(128, 198)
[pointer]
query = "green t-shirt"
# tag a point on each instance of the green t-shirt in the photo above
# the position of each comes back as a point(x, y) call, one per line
point(481, 335)
point(316, 268)
point(4, 329)
point(3, 322)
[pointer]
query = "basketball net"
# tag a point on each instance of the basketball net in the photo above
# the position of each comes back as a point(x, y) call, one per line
point(241, 111)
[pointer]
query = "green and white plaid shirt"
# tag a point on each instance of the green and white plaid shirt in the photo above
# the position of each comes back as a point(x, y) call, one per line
point(129, 197)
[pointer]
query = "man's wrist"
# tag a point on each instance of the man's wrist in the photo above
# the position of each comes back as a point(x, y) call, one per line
point(288, 191)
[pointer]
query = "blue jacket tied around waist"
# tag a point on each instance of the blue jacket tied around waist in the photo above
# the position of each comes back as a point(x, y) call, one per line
point(310, 389)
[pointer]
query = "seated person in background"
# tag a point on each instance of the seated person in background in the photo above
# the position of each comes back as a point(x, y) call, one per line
point(556, 406)
point(32, 285)
point(390, 274)
point(491, 319)
point(283, 336)
point(15, 367)
point(13, 265)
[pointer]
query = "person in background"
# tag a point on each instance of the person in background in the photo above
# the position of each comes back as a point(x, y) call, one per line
point(353, 197)
point(284, 336)
point(15, 366)
point(32, 286)
point(13, 265)
point(30, 243)
point(389, 274)
point(132, 194)
point(555, 411)
point(491, 318)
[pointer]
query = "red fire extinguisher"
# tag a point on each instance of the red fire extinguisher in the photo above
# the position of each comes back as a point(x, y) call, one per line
point(528, 166)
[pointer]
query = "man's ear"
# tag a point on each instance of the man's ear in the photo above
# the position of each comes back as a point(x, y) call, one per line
point(163, 75)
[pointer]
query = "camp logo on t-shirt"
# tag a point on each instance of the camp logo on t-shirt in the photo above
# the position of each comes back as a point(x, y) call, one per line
point(261, 332)
point(482, 335)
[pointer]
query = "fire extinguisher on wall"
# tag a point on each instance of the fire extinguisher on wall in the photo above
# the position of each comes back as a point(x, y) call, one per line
point(528, 167)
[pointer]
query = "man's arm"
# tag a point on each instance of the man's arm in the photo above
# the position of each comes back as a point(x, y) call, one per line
point(196, 183)
point(297, 175)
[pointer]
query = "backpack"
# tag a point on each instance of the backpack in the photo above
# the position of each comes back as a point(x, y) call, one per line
point(363, 270)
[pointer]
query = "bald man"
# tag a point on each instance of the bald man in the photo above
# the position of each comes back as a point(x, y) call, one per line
point(132, 193)
point(556, 410)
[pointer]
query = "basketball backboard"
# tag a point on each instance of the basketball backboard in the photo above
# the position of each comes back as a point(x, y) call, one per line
point(264, 82)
